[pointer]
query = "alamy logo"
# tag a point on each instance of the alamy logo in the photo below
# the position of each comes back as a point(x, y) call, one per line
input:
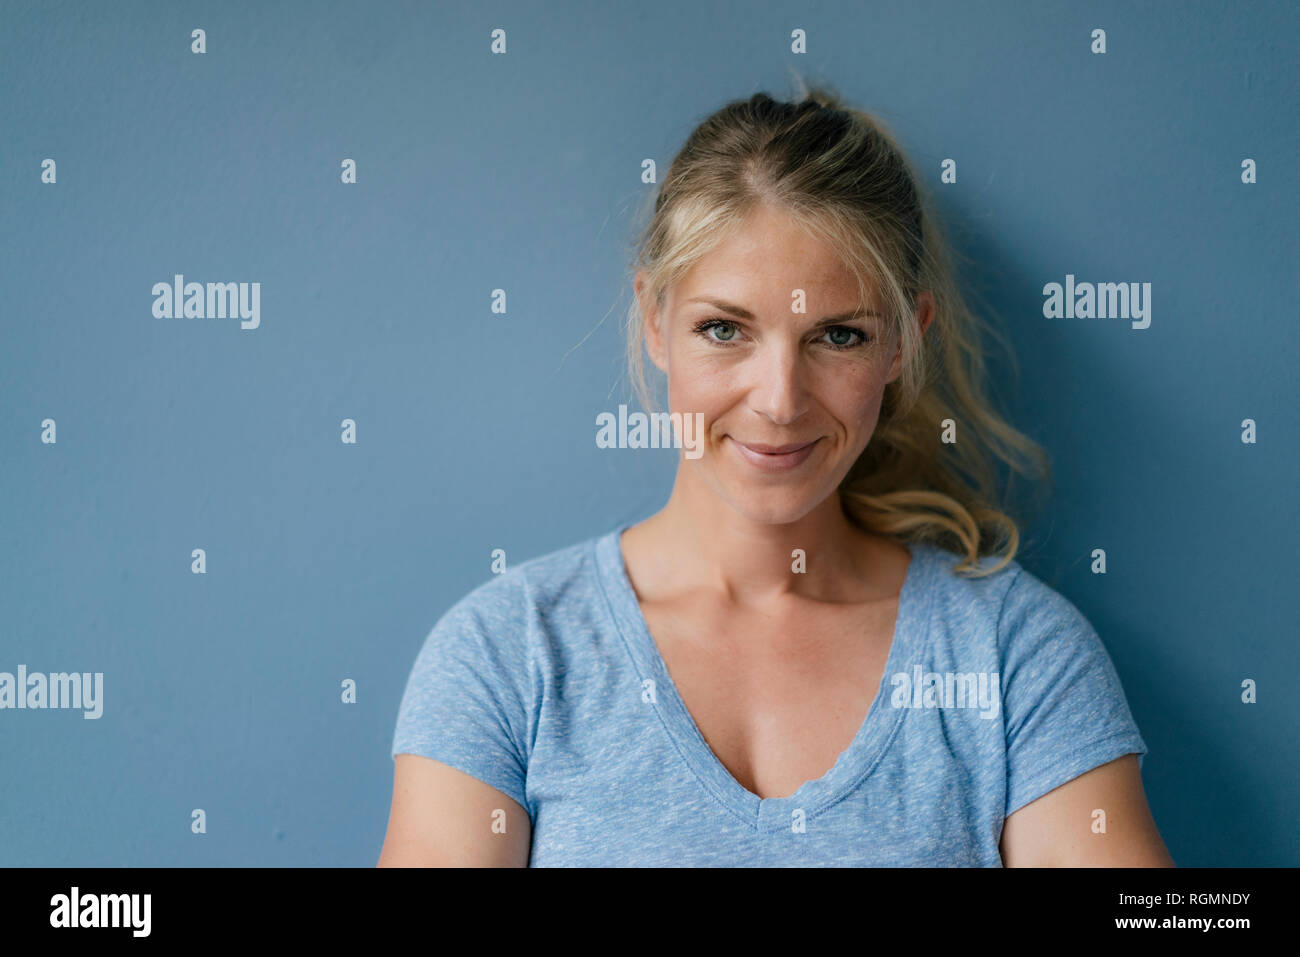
point(659, 430)
point(215, 300)
point(102, 910)
point(1104, 300)
point(56, 690)
point(933, 689)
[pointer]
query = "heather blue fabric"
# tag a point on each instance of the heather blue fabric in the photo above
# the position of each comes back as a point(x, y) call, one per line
point(545, 683)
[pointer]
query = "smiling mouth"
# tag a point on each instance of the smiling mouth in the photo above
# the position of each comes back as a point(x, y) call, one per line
point(774, 458)
point(774, 449)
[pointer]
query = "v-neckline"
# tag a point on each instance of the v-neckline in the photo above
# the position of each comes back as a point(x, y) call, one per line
point(851, 767)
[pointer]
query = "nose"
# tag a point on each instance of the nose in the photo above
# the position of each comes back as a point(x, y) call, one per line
point(778, 390)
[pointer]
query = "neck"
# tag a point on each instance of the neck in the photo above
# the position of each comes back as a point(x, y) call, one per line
point(701, 541)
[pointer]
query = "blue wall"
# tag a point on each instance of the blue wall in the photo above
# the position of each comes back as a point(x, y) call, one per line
point(328, 561)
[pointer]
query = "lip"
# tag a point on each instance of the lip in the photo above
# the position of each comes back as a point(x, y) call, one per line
point(774, 458)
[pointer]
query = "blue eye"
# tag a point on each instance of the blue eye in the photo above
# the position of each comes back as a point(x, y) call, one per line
point(722, 325)
point(836, 332)
point(837, 337)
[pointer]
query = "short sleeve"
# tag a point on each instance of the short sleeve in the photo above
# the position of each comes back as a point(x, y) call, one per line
point(465, 698)
point(1065, 710)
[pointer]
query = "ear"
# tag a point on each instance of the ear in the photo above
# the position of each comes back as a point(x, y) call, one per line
point(924, 316)
point(652, 323)
point(925, 309)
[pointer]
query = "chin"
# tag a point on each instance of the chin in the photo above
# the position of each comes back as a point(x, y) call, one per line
point(771, 499)
point(784, 508)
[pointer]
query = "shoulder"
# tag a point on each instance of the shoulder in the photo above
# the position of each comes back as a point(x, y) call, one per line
point(965, 602)
point(501, 635)
point(1044, 647)
point(1013, 608)
point(1057, 678)
point(510, 602)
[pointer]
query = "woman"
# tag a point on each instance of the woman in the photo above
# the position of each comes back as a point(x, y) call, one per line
point(806, 657)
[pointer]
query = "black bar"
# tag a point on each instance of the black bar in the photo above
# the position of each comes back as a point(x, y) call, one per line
point(930, 907)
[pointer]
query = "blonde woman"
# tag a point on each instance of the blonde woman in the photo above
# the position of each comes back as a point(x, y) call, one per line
point(821, 651)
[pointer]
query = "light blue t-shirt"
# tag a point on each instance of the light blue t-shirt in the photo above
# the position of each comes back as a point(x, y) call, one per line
point(546, 684)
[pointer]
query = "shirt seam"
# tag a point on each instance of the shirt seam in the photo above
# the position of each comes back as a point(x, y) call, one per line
point(663, 721)
point(534, 711)
point(1002, 609)
point(1070, 756)
point(920, 647)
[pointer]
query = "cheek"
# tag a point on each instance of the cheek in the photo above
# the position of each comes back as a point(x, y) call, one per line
point(853, 392)
point(699, 381)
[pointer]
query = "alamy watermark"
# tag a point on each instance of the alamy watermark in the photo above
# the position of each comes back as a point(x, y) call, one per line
point(659, 430)
point(1102, 300)
point(948, 689)
point(102, 910)
point(215, 300)
point(58, 689)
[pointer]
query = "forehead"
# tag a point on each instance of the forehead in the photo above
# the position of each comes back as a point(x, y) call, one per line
point(768, 257)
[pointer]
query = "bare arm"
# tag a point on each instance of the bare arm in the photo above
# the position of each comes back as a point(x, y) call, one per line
point(1057, 829)
point(442, 817)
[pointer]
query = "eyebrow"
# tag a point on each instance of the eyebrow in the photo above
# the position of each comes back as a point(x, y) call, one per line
point(740, 312)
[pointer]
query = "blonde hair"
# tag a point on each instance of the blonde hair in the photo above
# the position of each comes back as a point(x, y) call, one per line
point(840, 174)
